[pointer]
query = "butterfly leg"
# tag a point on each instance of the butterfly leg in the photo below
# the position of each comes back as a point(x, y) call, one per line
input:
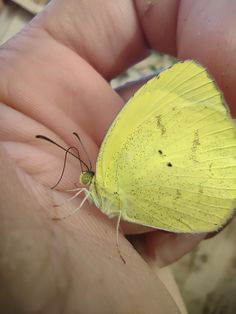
point(117, 238)
point(87, 194)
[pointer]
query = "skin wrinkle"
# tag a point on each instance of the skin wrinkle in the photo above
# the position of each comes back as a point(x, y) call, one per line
point(13, 96)
point(84, 45)
point(23, 228)
point(65, 263)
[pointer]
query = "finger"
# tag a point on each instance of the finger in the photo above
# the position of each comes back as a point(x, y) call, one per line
point(105, 33)
point(38, 158)
point(163, 247)
point(159, 22)
point(65, 93)
point(195, 30)
point(187, 29)
point(205, 34)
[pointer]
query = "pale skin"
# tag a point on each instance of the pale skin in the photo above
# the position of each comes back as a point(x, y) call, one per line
point(54, 80)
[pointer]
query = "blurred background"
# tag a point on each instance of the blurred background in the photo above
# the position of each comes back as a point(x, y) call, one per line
point(206, 276)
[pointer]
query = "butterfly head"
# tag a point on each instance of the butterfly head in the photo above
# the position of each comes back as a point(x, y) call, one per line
point(86, 177)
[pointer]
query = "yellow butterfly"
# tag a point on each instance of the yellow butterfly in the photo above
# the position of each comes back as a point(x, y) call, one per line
point(168, 160)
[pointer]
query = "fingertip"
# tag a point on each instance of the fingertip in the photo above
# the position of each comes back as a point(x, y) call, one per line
point(166, 247)
point(159, 23)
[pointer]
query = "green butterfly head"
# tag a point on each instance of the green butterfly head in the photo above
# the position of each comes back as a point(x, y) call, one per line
point(86, 177)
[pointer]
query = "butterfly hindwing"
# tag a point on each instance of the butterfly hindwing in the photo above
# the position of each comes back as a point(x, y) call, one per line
point(170, 154)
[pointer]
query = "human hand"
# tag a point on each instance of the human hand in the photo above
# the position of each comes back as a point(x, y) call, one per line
point(54, 81)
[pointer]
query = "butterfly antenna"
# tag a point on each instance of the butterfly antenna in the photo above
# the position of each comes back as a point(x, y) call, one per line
point(64, 165)
point(117, 238)
point(86, 153)
point(66, 150)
